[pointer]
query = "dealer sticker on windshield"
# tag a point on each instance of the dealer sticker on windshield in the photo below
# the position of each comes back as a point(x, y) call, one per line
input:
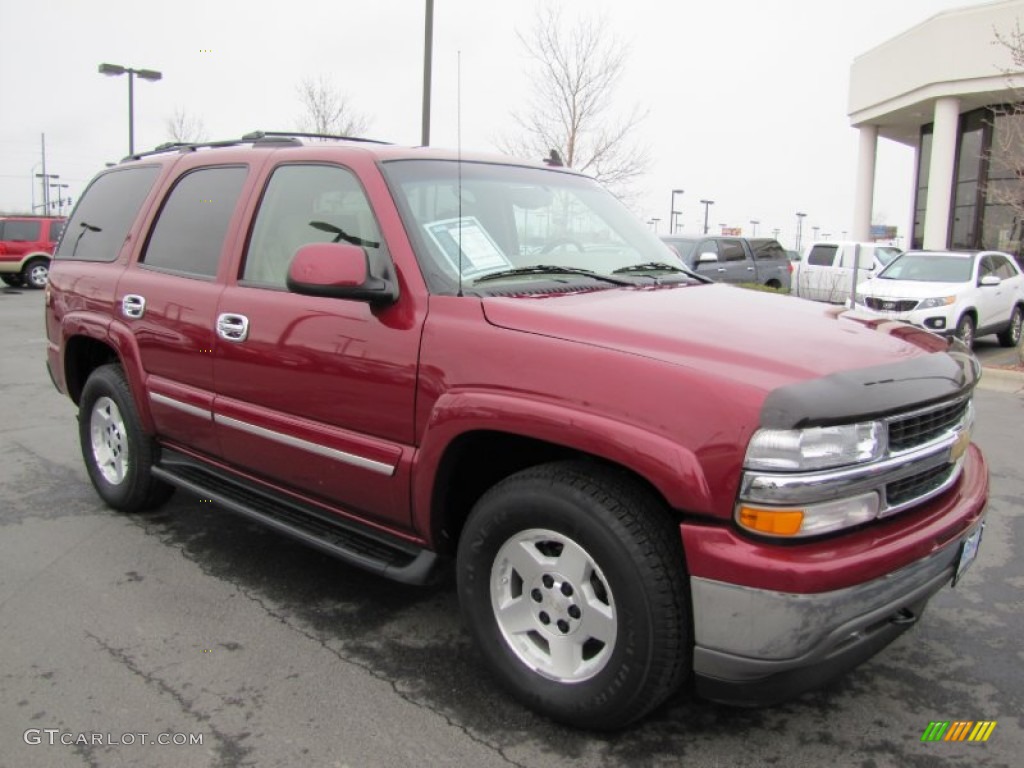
point(968, 551)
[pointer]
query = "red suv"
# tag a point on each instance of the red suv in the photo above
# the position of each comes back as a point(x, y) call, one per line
point(26, 247)
point(407, 357)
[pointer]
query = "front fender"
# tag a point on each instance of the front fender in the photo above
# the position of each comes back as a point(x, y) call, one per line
point(668, 466)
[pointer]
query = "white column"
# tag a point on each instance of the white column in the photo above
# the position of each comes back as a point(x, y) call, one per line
point(941, 173)
point(865, 191)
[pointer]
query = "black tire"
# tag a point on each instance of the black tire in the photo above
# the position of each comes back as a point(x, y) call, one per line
point(35, 273)
point(624, 619)
point(13, 280)
point(965, 331)
point(118, 454)
point(1011, 336)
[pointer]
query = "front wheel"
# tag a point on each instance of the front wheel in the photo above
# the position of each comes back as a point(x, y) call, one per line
point(1011, 336)
point(965, 331)
point(571, 581)
point(118, 454)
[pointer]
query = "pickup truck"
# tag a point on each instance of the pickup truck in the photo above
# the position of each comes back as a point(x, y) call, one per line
point(734, 259)
point(427, 362)
point(825, 273)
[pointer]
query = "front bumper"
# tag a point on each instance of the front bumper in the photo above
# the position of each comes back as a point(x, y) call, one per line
point(771, 621)
point(756, 647)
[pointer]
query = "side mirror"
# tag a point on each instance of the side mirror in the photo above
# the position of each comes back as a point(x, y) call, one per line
point(989, 280)
point(341, 271)
point(707, 258)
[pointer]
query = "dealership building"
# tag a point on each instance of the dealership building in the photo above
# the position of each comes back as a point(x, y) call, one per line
point(947, 88)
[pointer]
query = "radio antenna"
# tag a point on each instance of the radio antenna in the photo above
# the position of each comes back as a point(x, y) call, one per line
point(458, 151)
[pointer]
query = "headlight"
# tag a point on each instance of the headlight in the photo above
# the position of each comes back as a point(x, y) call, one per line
point(940, 301)
point(816, 448)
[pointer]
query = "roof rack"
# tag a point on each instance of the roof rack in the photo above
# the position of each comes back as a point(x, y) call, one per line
point(253, 137)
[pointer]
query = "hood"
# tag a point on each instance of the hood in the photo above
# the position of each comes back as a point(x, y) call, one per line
point(907, 289)
point(761, 339)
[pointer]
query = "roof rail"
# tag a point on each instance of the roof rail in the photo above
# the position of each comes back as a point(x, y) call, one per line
point(260, 135)
point(253, 137)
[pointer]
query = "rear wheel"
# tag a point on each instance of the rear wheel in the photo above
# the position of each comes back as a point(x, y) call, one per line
point(35, 273)
point(1011, 336)
point(965, 331)
point(571, 582)
point(118, 454)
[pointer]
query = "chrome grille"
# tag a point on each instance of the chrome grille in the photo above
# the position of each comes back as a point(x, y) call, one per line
point(917, 486)
point(890, 305)
point(920, 427)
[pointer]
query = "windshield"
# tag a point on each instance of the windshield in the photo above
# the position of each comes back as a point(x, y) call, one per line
point(508, 219)
point(885, 255)
point(929, 268)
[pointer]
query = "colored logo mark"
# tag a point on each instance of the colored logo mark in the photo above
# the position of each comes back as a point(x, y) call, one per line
point(958, 730)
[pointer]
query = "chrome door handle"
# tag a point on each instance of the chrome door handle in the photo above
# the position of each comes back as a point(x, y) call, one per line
point(721, 269)
point(232, 327)
point(133, 306)
point(750, 269)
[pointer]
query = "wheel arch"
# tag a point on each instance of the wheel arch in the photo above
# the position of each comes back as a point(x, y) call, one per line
point(455, 466)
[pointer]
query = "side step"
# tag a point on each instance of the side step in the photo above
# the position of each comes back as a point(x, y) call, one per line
point(357, 545)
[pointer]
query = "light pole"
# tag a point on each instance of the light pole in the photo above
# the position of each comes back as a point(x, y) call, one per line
point(428, 55)
point(654, 221)
point(776, 232)
point(672, 212)
point(815, 231)
point(115, 70)
point(799, 228)
point(754, 223)
point(46, 179)
point(60, 197)
point(706, 204)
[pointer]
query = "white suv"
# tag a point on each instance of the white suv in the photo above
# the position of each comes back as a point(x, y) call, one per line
point(968, 294)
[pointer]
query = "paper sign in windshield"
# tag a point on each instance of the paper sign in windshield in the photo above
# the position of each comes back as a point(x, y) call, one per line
point(480, 254)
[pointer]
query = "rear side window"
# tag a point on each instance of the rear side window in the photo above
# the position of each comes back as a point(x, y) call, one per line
point(731, 250)
point(822, 255)
point(188, 236)
point(56, 227)
point(98, 227)
point(768, 249)
point(21, 231)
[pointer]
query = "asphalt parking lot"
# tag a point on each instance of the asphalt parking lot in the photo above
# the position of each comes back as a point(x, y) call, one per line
point(191, 622)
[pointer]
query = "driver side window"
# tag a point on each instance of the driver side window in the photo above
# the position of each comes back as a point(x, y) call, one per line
point(306, 204)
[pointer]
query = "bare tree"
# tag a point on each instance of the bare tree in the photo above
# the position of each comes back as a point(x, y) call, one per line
point(327, 110)
point(576, 70)
point(185, 128)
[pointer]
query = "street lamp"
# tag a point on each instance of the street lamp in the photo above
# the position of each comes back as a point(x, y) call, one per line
point(60, 197)
point(754, 223)
point(815, 231)
point(706, 204)
point(672, 212)
point(654, 221)
point(116, 70)
point(799, 228)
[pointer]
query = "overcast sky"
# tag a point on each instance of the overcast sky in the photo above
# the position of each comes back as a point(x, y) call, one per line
point(746, 98)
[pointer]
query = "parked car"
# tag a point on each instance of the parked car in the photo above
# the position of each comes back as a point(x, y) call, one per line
point(406, 357)
point(26, 247)
point(968, 294)
point(734, 259)
point(826, 274)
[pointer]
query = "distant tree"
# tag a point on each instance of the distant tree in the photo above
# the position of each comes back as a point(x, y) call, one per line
point(575, 71)
point(327, 110)
point(185, 128)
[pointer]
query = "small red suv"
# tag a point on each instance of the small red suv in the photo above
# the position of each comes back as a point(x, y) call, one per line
point(26, 247)
point(408, 357)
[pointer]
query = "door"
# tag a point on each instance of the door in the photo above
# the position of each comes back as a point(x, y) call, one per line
point(316, 395)
point(818, 278)
point(994, 301)
point(739, 267)
point(168, 301)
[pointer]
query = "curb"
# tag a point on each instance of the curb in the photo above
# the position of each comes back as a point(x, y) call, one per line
point(1000, 380)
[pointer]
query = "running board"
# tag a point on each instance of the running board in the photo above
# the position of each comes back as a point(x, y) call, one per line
point(357, 545)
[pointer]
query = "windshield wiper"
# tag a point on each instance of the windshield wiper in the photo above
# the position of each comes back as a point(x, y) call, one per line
point(650, 266)
point(541, 269)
